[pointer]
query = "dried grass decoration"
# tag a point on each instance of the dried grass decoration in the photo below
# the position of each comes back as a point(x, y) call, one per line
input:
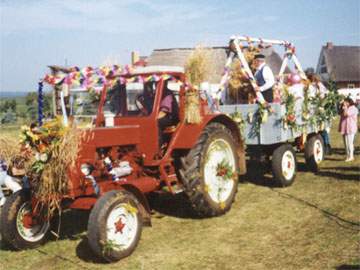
point(55, 148)
point(10, 153)
point(240, 89)
point(192, 107)
point(199, 66)
point(8, 148)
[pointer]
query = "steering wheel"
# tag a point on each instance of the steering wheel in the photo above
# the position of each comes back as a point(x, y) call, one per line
point(139, 103)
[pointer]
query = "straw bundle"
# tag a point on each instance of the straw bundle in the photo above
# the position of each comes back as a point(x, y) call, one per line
point(199, 66)
point(51, 184)
point(240, 88)
point(192, 107)
point(9, 147)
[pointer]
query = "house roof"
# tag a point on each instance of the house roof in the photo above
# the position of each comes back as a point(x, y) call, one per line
point(218, 55)
point(342, 62)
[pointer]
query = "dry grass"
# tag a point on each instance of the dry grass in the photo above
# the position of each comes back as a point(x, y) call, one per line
point(267, 228)
point(9, 147)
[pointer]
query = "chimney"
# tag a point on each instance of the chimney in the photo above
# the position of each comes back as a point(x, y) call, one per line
point(134, 57)
point(329, 45)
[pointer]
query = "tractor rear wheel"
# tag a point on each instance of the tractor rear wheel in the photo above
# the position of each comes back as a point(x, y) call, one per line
point(210, 171)
point(314, 152)
point(115, 225)
point(18, 227)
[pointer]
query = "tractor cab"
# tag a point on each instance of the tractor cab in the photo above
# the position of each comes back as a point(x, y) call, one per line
point(127, 110)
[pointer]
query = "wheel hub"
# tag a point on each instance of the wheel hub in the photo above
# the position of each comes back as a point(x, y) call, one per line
point(28, 221)
point(122, 225)
point(318, 151)
point(288, 165)
point(119, 226)
point(30, 228)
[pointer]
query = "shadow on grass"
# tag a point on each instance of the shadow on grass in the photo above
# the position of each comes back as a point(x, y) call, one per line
point(172, 205)
point(73, 224)
point(255, 174)
point(341, 151)
point(348, 267)
point(84, 253)
point(339, 176)
point(352, 168)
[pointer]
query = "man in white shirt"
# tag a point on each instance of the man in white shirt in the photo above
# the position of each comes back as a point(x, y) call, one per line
point(264, 78)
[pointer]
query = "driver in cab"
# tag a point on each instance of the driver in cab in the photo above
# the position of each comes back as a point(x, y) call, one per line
point(168, 114)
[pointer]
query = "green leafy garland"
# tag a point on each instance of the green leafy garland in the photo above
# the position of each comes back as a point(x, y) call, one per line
point(325, 108)
point(261, 116)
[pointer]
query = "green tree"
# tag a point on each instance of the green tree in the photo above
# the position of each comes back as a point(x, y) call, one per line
point(31, 104)
point(9, 117)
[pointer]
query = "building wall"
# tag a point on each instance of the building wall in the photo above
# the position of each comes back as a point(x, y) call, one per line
point(347, 84)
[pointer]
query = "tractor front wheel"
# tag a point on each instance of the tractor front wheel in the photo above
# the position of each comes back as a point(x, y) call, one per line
point(210, 171)
point(18, 226)
point(115, 225)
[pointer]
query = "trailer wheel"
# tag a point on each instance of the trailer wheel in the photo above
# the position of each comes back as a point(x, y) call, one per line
point(115, 225)
point(314, 152)
point(18, 227)
point(210, 194)
point(284, 165)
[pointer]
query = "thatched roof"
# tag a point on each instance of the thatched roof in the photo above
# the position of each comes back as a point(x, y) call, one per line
point(179, 56)
point(342, 62)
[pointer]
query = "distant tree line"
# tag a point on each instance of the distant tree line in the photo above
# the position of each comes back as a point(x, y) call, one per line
point(26, 108)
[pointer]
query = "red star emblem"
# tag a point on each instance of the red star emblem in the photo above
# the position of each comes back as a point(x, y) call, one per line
point(119, 226)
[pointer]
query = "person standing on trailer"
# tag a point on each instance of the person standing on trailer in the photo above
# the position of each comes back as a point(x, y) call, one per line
point(264, 77)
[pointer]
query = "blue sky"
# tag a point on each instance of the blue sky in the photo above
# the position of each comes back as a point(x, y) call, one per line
point(34, 34)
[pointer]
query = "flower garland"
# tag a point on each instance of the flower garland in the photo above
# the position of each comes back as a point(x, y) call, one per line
point(238, 119)
point(261, 116)
point(55, 148)
point(40, 140)
point(224, 170)
point(90, 77)
point(289, 119)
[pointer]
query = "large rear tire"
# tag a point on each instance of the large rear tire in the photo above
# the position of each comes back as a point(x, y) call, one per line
point(115, 225)
point(284, 165)
point(18, 227)
point(314, 152)
point(210, 193)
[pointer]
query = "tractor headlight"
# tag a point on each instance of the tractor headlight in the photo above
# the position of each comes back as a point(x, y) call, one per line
point(86, 169)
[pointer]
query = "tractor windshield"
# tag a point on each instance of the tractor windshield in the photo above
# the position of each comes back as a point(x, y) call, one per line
point(83, 105)
point(131, 99)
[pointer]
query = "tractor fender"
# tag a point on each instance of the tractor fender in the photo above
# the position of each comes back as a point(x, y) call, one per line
point(235, 131)
point(144, 208)
point(188, 134)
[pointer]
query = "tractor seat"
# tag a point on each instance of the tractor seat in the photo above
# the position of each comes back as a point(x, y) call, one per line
point(170, 129)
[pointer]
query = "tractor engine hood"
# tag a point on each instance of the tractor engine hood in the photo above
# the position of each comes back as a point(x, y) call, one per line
point(109, 136)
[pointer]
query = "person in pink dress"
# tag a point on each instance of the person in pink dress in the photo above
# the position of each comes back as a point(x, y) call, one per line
point(348, 126)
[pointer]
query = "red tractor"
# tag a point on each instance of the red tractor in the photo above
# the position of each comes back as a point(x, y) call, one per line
point(121, 161)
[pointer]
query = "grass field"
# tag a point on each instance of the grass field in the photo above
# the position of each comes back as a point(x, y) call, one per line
point(314, 224)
